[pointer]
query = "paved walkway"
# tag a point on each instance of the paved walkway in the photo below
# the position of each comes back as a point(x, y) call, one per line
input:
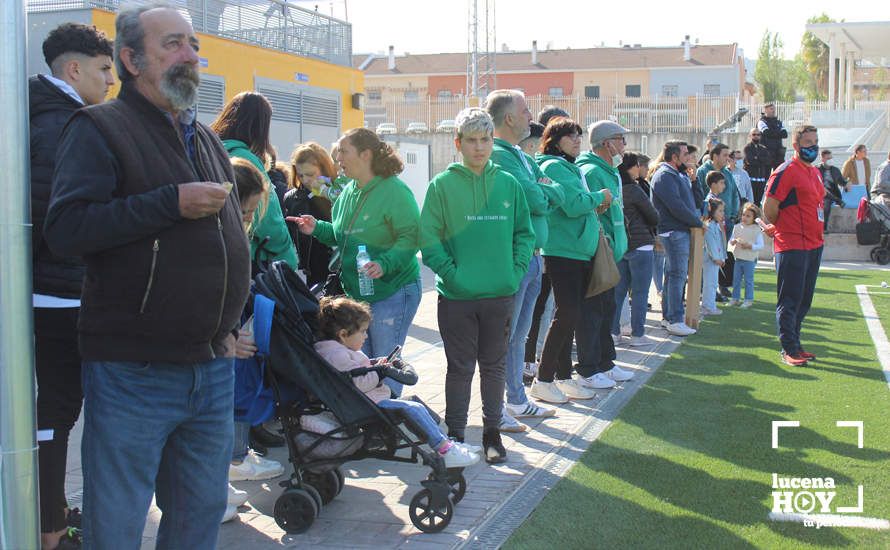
point(372, 510)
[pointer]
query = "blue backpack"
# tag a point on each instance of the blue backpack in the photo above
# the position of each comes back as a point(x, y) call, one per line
point(254, 402)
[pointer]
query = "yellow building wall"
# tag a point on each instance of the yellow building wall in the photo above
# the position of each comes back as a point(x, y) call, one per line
point(612, 83)
point(240, 63)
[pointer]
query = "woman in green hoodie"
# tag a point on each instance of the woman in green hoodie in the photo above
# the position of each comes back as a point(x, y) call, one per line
point(574, 236)
point(243, 127)
point(377, 211)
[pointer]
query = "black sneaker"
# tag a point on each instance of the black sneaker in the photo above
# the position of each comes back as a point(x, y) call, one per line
point(455, 436)
point(724, 290)
point(495, 452)
point(70, 540)
point(264, 437)
point(73, 519)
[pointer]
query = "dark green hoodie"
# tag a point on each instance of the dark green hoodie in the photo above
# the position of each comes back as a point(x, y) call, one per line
point(574, 226)
point(476, 233)
point(542, 198)
point(600, 175)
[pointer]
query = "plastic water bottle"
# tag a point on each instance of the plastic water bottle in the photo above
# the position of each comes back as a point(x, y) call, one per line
point(365, 283)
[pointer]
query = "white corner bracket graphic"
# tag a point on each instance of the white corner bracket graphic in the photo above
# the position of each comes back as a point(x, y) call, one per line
point(782, 424)
point(858, 424)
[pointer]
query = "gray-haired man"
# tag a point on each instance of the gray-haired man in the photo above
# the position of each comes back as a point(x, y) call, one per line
point(137, 192)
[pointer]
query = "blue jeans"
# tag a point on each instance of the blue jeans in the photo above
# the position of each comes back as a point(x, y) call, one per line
point(796, 272)
point(710, 277)
point(658, 270)
point(158, 428)
point(636, 275)
point(391, 320)
point(418, 414)
point(240, 447)
point(523, 308)
point(676, 254)
point(743, 269)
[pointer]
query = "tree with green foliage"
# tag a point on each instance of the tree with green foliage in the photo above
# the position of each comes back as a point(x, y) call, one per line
point(775, 75)
point(814, 55)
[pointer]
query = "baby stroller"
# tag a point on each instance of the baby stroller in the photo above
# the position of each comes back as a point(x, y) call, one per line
point(353, 427)
point(874, 229)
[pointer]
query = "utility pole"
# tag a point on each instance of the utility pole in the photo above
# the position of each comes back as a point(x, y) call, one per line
point(19, 525)
point(481, 61)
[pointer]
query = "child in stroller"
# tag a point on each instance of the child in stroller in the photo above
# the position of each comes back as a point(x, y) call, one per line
point(343, 323)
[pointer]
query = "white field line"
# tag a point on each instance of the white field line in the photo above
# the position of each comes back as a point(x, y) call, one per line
point(882, 345)
point(832, 520)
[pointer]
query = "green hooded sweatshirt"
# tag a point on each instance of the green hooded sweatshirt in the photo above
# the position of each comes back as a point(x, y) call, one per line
point(272, 224)
point(542, 198)
point(476, 233)
point(600, 176)
point(388, 225)
point(574, 226)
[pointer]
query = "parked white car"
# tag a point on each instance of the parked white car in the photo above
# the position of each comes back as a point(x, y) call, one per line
point(446, 126)
point(417, 128)
point(386, 128)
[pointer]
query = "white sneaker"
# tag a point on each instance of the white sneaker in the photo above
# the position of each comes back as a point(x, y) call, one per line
point(665, 323)
point(639, 341)
point(237, 497)
point(734, 302)
point(530, 370)
point(547, 392)
point(599, 381)
point(457, 456)
point(508, 423)
point(618, 374)
point(715, 311)
point(530, 410)
point(470, 448)
point(616, 339)
point(230, 513)
point(680, 329)
point(626, 330)
point(575, 390)
point(255, 468)
point(747, 304)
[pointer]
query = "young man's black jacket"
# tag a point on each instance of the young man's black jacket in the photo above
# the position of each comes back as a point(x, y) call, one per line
point(50, 109)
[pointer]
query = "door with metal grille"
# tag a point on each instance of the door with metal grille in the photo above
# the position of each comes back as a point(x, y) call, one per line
point(301, 113)
point(211, 97)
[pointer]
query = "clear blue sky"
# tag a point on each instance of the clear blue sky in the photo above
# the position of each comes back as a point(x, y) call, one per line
point(428, 26)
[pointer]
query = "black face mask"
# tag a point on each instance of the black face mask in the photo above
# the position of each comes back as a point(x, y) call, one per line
point(681, 168)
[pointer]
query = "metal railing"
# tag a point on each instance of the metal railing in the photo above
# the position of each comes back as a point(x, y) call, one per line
point(268, 23)
point(654, 115)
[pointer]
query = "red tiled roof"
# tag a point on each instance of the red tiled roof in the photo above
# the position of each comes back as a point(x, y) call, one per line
point(557, 60)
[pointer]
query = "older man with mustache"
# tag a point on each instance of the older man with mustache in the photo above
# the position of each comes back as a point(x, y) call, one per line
point(138, 193)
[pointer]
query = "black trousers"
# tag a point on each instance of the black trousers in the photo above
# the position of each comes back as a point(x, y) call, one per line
point(531, 344)
point(569, 279)
point(593, 334)
point(474, 331)
point(59, 399)
point(796, 273)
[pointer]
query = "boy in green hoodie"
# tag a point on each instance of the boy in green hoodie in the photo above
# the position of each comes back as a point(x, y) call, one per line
point(476, 235)
point(593, 335)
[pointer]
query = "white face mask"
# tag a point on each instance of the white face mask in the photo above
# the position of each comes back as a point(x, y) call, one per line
point(827, 162)
point(617, 159)
point(740, 164)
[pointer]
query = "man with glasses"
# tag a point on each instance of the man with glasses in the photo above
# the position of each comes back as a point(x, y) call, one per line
point(757, 164)
point(593, 335)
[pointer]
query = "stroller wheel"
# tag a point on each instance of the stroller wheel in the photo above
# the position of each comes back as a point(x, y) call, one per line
point(882, 256)
point(458, 485)
point(295, 510)
point(874, 253)
point(316, 496)
point(327, 484)
point(427, 517)
point(342, 479)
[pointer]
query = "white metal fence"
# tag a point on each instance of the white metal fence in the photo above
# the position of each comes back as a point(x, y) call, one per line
point(646, 114)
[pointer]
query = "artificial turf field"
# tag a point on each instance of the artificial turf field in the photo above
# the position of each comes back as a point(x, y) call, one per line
point(688, 462)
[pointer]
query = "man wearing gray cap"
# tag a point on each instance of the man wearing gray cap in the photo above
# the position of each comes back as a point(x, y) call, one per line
point(593, 335)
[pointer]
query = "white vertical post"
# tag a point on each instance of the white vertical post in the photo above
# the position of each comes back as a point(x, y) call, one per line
point(19, 525)
point(832, 72)
point(849, 81)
